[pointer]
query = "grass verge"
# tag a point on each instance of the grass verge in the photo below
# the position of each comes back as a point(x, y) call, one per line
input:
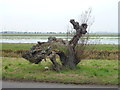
point(87, 72)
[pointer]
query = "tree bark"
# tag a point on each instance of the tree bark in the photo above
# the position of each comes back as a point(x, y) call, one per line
point(56, 65)
point(71, 60)
point(39, 51)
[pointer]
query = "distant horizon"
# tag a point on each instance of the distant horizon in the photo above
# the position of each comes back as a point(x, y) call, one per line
point(52, 32)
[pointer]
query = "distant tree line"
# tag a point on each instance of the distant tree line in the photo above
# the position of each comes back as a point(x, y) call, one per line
point(12, 32)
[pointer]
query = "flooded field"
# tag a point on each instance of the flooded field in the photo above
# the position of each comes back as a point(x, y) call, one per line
point(35, 39)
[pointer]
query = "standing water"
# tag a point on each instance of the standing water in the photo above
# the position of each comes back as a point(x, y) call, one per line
point(35, 39)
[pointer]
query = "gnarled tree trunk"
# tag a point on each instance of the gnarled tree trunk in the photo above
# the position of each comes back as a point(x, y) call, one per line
point(71, 60)
point(39, 51)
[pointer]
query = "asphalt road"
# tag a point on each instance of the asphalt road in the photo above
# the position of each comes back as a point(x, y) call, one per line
point(16, 84)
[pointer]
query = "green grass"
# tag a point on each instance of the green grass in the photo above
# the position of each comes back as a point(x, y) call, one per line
point(87, 72)
point(25, 46)
point(16, 46)
point(104, 35)
point(102, 47)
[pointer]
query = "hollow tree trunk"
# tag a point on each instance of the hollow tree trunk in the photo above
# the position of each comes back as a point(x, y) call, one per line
point(56, 65)
point(37, 53)
point(71, 57)
point(71, 60)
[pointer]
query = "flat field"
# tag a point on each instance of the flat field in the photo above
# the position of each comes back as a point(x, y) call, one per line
point(25, 46)
point(89, 71)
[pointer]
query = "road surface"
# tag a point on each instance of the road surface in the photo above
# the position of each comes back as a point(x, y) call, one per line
point(16, 84)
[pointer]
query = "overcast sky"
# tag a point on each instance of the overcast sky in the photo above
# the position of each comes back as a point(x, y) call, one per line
point(54, 15)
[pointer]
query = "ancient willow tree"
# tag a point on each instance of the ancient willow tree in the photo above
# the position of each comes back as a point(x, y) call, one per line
point(66, 51)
